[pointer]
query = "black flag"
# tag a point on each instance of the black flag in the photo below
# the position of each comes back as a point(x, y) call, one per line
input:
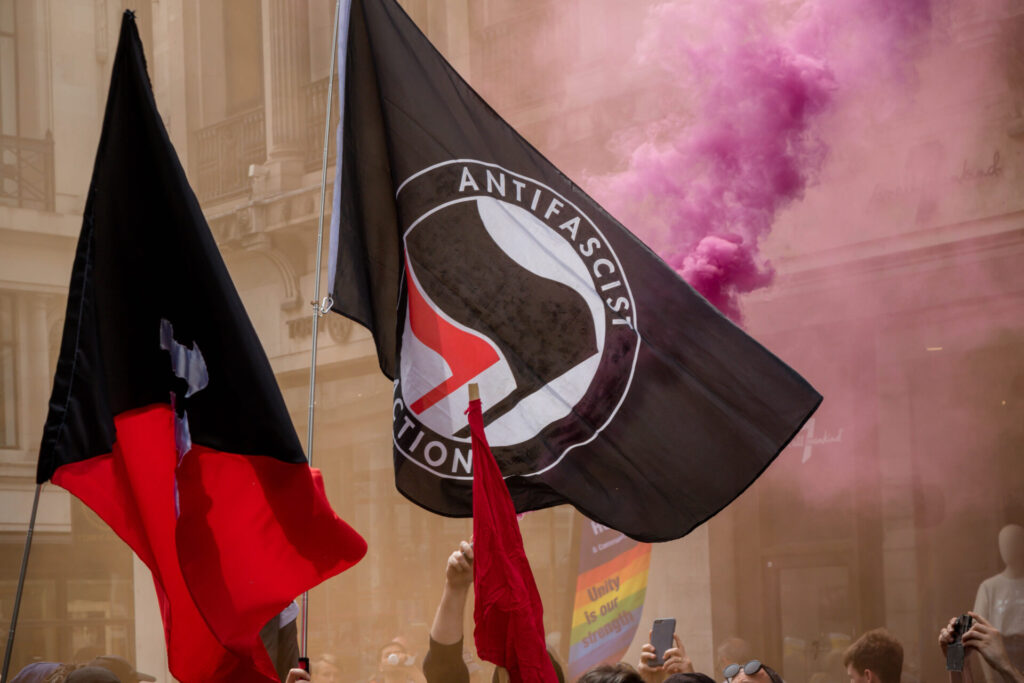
point(606, 381)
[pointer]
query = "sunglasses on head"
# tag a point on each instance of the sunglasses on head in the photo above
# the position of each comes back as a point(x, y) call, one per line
point(750, 668)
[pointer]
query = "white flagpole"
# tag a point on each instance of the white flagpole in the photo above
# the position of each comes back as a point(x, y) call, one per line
point(319, 307)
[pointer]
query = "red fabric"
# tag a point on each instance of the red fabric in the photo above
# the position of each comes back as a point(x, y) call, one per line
point(507, 609)
point(467, 355)
point(253, 533)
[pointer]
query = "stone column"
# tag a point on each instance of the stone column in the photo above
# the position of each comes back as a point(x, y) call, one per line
point(679, 587)
point(285, 75)
point(34, 380)
point(150, 646)
point(168, 71)
point(34, 111)
point(899, 533)
point(457, 31)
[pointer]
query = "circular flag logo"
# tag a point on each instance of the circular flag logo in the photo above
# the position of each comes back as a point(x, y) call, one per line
point(509, 285)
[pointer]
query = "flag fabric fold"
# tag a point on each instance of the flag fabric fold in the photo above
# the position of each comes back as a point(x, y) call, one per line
point(165, 417)
point(507, 610)
point(609, 383)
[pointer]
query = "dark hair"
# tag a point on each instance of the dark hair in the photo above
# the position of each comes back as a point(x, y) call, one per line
point(558, 666)
point(611, 673)
point(554, 662)
point(689, 678)
point(879, 651)
point(92, 674)
point(772, 674)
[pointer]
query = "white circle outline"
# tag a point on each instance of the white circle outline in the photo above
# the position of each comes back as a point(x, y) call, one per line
point(618, 264)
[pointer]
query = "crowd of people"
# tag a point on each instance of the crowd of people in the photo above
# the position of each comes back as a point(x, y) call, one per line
point(101, 669)
point(875, 657)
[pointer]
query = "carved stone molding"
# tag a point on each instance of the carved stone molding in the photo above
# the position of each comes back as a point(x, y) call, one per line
point(234, 234)
point(338, 327)
point(287, 210)
point(262, 245)
point(229, 230)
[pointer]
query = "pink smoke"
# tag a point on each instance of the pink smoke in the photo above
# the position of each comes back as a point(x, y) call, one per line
point(744, 83)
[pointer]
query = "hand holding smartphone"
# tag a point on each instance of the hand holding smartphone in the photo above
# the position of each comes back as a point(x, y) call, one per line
point(662, 638)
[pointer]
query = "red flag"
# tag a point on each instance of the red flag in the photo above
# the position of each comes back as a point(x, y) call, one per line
point(508, 613)
point(165, 417)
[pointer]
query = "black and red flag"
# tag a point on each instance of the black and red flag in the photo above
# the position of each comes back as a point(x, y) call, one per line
point(165, 417)
point(610, 384)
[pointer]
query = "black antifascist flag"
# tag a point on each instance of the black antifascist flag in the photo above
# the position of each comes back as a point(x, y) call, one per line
point(165, 417)
point(606, 381)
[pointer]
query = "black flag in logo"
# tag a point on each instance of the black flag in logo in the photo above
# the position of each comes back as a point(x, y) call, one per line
point(607, 382)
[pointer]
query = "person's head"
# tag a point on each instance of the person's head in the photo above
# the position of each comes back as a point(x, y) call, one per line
point(689, 678)
point(391, 656)
point(497, 676)
point(1011, 546)
point(92, 674)
point(325, 669)
point(875, 657)
point(733, 651)
point(752, 671)
point(559, 672)
point(43, 671)
point(611, 673)
point(121, 667)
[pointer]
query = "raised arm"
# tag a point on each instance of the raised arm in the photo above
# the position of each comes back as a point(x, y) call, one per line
point(988, 642)
point(444, 663)
point(458, 579)
point(675, 658)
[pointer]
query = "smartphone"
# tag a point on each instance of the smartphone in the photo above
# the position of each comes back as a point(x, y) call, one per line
point(661, 638)
point(955, 651)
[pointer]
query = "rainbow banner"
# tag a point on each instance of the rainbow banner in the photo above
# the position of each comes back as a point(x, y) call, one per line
point(610, 586)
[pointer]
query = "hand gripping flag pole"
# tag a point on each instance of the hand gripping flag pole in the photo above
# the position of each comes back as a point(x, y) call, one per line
point(21, 584)
point(319, 307)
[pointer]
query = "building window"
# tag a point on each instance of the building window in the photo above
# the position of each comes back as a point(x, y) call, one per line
point(8, 397)
point(8, 71)
point(243, 55)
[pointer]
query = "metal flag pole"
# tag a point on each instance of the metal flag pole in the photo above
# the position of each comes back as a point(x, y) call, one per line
point(319, 307)
point(21, 584)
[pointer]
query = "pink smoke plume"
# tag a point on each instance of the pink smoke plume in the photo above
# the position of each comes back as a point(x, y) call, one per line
point(743, 83)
